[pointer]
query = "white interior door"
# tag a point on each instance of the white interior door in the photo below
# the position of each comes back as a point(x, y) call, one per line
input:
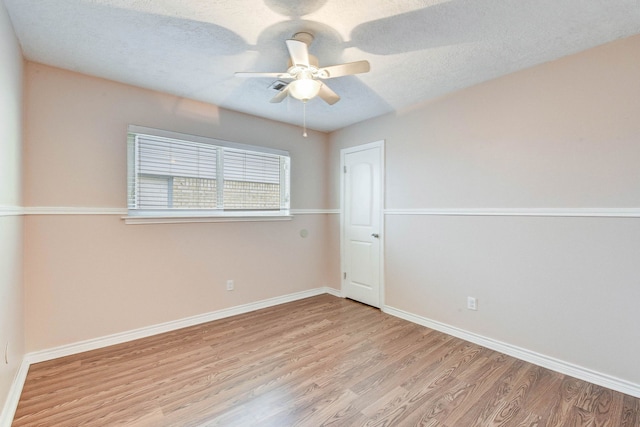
point(362, 190)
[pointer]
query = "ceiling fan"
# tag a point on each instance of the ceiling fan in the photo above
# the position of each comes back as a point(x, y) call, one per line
point(306, 75)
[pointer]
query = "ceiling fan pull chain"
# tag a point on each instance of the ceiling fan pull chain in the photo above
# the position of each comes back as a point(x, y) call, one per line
point(304, 118)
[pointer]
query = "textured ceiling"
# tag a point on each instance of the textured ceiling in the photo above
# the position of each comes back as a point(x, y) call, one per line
point(418, 49)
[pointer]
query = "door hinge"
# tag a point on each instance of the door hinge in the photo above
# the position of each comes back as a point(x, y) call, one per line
point(344, 275)
point(345, 169)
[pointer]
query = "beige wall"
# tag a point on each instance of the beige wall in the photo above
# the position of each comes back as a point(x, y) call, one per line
point(562, 135)
point(89, 276)
point(11, 294)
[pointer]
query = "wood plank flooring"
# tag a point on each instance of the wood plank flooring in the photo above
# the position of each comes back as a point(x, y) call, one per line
point(314, 362)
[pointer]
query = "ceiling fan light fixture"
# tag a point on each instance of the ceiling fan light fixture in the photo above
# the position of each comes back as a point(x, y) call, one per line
point(304, 89)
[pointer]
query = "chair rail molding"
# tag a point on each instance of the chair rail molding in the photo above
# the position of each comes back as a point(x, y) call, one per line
point(7, 210)
point(541, 212)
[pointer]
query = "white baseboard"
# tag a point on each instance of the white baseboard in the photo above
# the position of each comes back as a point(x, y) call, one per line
point(556, 365)
point(11, 403)
point(101, 342)
point(13, 398)
point(333, 291)
point(529, 356)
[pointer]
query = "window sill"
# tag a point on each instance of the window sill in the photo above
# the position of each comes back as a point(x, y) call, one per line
point(227, 217)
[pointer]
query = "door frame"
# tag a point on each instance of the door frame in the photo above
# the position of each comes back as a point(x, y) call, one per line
point(343, 152)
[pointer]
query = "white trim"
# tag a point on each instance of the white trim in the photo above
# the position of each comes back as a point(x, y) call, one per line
point(59, 210)
point(333, 291)
point(83, 210)
point(540, 212)
point(139, 219)
point(544, 212)
point(537, 212)
point(15, 390)
point(13, 398)
point(314, 211)
point(11, 403)
point(560, 366)
point(203, 139)
point(118, 338)
point(11, 210)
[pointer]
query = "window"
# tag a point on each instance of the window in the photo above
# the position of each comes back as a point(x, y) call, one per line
point(177, 175)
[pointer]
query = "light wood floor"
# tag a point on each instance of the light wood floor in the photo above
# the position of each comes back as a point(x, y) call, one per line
point(314, 362)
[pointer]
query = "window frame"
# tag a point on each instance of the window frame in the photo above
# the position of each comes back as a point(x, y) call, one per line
point(175, 215)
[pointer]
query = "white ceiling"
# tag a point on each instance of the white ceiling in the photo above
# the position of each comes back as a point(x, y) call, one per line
point(418, 49)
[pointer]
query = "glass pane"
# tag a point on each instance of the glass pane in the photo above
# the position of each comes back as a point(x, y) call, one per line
point(194, 193)
point(251, 195)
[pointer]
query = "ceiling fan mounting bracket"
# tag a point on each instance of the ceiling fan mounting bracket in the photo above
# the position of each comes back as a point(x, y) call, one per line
point(303, 36)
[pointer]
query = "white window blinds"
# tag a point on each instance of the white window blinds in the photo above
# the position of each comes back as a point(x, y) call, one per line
point(170, 174)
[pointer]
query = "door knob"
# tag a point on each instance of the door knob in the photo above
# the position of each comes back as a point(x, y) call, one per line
point(376, 235)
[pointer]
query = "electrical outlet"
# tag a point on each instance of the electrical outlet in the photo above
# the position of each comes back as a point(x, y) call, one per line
point(472, 303)
point(230, 285)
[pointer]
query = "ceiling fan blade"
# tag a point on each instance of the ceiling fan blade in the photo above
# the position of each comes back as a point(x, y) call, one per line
point(328, 95)
point(281, 96)
point(299, 52)
point(344, 69)
point(272, 75)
